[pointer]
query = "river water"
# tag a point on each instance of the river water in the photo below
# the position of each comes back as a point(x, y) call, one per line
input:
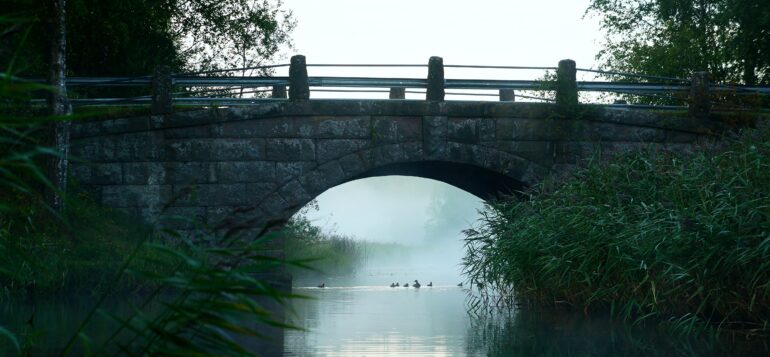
point(367, 320)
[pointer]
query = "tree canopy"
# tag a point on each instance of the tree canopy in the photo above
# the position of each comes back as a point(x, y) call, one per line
point(728, 38)
point(131, 37)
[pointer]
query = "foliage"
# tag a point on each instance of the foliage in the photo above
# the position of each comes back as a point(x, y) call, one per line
point(324, 253)
point(117, 37)
point(683, 238)
point(728, 38)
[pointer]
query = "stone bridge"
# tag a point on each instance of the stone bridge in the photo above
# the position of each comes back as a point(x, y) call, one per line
point(273, 158)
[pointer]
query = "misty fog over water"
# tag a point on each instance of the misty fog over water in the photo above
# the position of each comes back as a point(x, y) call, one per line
point(424, 217)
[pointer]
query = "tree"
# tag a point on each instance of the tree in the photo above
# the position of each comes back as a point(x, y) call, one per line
point(131, 37)
point(728, 38)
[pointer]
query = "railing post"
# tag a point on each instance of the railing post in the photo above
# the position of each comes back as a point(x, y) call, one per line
point(507, 95)
point(279, 91)
point(298, 85)
point(435, 90)
point(700, 104)
point(398, 93)
point(566, 86)
point(162, 85)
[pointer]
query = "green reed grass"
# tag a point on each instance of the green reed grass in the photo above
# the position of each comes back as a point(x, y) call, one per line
point(684, 238)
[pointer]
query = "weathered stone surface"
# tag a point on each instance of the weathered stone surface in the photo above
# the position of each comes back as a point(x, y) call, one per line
point(215, 149)
point(540, 152)
point(334, 148)
point(248, 171)
point(271, 159)
point(98, 174)
point(190, 172)
point(290, 150)
point(389, 130)
point(285, 171)
point(470, 130)
point(96, 149)
point(144, 173)
point(294, 194)
point(569, 152)
point(434, 136)
point(525, 129)
point(322, 178)
point(136, 195)
point(202, 131)
point(143, 146)
point(211, 195)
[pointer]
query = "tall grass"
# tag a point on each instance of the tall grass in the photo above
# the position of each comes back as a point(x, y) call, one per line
point(684, 238)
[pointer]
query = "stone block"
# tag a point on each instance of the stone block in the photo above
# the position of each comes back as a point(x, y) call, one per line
point(246, 171)
point(284, 171)
point(294, 194)
point(97, 174)
point(144, 173)
point(356, 127)
point(218, 149)
point(391, 130)
point(323, 178)
point(96, 149)
point(211, 195)
point(540, 152)
point(525, 129)
point(201, 131)
point(290, 150)
point(353, 164)
point(257, 128)
point(190, 172)
point(136, 195)
point(143, 146)
point(335, 148)
point(257, 191)
point(434, 136)
point(274, 205)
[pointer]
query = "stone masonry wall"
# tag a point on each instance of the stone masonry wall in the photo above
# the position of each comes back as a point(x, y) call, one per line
point(271, 159)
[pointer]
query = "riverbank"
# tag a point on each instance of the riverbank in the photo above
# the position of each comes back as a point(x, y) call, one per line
point(683, 238)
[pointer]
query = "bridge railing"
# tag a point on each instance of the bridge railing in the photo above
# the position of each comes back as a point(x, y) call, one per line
point(213, 88)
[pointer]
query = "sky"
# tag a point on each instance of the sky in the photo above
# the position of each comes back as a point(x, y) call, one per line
point(480, 32)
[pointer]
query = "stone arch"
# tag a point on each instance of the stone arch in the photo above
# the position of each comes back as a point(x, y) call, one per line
point(483, 171)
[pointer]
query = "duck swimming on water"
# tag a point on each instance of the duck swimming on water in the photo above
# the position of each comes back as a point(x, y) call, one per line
point(460, 285)
point(396, 284)
point(323, 285)
point(392, 285)
point(430, 284)
point(416, 284)
point(406, 285)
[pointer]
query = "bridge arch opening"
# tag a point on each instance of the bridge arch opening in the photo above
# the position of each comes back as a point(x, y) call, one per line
point(402, 221)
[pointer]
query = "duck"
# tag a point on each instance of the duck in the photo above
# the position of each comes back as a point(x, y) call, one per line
point(460, 285)
point(430, 284)
point(397, 285)
point(406, 285)
point(323, 285)
point(392, 285)
point(416, 284)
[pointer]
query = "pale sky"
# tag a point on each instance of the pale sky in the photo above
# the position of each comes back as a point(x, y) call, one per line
point(479, 32)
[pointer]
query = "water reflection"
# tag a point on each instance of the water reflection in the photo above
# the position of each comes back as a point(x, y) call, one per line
point(383, 321)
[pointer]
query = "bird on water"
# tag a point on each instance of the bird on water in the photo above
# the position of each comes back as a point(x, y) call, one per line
point(406, 285)
point(460, 285)
point(392, 285)
point(323, 285)
point(416, 284)
point(430, 284)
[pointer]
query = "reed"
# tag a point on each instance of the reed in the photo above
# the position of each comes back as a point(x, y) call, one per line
point(680, 237)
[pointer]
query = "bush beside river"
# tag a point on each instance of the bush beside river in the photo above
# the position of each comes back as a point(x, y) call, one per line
point(683, 237)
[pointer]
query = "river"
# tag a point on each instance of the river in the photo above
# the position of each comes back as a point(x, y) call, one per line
point(366, 320)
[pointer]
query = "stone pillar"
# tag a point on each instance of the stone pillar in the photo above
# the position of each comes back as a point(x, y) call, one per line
point(162, 85)
point(398, 93)
point(566, 86)
point(507, 95)
point(298, 85)
point(700, 103)
point(279, 91)
point(435, 90)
